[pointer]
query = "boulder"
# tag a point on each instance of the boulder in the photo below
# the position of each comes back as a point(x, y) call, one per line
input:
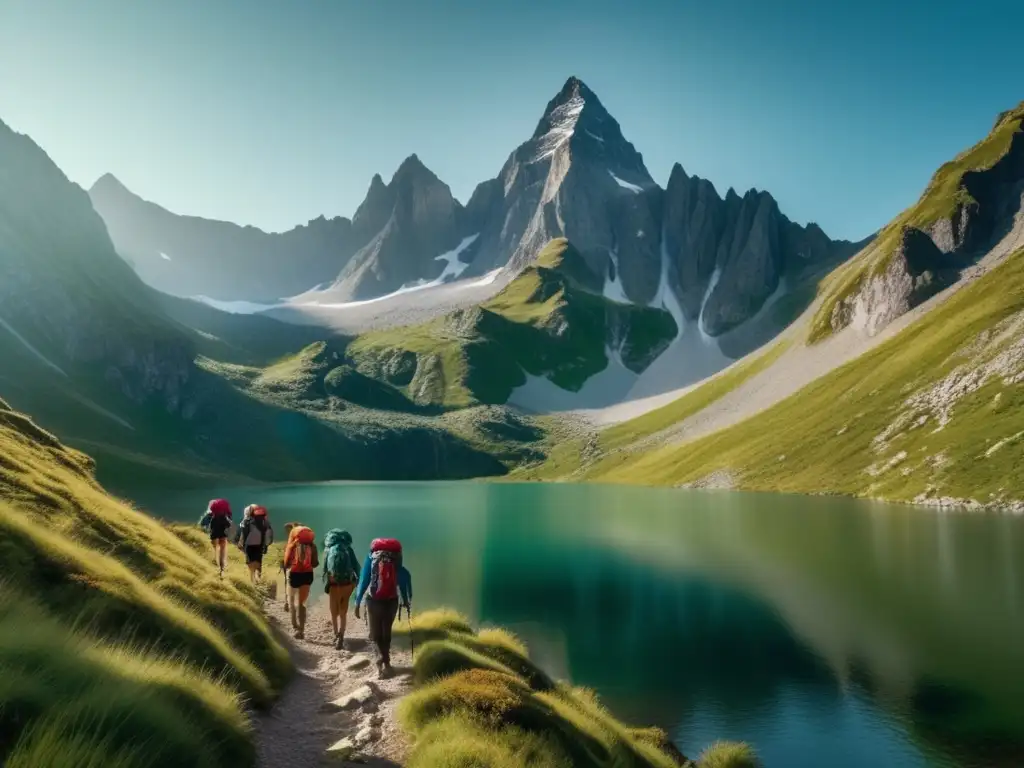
point(361, 698)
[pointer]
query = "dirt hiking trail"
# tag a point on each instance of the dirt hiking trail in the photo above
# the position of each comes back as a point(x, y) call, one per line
point(335, 696)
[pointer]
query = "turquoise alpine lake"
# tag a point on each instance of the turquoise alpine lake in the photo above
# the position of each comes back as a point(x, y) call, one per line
point(824, 631)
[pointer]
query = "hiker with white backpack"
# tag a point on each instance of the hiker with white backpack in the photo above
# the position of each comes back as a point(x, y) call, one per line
point(384, 580)
point(254, 536)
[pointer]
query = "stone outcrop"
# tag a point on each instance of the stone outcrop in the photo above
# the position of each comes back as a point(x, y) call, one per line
point(984, 210)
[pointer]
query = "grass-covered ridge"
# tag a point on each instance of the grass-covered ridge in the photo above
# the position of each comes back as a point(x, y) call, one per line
point(117, 638)
point(934, 412)
point(546, 322)
point(479, 700)
point(945, 195)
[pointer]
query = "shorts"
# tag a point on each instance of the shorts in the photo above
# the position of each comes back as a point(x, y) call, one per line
point(215, 537)
point(254, 554)
point(303, 579)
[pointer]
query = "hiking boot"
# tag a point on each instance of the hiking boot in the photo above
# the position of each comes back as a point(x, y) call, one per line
point(295, 620)
point(339, 643)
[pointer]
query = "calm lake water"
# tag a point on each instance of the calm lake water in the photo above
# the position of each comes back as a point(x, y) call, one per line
point(826, 632)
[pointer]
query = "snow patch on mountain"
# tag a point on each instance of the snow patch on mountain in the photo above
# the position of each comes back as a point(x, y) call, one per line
point(613, 287)
point(594, 136)
point(625, 184)
point(453, 267)
point(541, 395)
point(236, 307)
point(563, 125)
point(715, 276)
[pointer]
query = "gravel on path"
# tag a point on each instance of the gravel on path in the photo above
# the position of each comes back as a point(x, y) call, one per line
point(318, 708)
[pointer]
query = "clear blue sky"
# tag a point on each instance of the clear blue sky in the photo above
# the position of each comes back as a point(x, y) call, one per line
point(272, 112)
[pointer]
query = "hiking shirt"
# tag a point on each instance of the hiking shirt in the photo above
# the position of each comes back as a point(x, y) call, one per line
point(404, 582)
point(219, 526)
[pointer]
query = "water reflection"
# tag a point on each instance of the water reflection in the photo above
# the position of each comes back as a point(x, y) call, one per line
point(826, 631)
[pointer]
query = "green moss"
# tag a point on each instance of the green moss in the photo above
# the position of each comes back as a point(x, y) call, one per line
point(725, 755)
point(480, 701)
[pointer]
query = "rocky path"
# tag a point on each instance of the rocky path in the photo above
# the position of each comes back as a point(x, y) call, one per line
point(335, 711)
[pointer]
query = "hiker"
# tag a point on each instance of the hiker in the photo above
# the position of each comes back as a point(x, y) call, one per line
point(254, 537)
point(217, 522)
point(289, 530)
point(383, 580)
point(341, 572)
point(300, 558)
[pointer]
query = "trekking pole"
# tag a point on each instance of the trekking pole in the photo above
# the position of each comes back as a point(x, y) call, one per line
point(412, 640)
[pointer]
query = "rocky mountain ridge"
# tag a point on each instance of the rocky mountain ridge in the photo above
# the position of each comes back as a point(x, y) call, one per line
point(971, 210)
point(577, 176)
point(94, 355)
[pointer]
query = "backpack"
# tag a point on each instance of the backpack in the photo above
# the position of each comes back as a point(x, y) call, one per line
point(220, 508)
point(255, 531)
point(302, 558)
point(339, 559)
point(385, 561)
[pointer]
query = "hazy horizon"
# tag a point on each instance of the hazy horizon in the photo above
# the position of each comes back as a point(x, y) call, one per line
point(271, 115)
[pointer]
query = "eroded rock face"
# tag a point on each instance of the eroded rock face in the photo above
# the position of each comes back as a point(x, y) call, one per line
point(988, 208)
point(729, 255)
point(576, 177)
point(422, 222)
point(909, 279)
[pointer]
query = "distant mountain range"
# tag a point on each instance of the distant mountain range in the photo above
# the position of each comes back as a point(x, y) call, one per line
point(685, 248)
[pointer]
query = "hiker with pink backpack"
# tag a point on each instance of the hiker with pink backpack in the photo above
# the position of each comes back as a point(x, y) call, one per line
point(384, 580)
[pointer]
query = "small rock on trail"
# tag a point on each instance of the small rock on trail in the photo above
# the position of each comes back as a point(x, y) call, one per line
point(335, 711)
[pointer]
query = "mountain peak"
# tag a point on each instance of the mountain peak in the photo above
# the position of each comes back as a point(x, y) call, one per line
point(109, 183)
point(564, 110)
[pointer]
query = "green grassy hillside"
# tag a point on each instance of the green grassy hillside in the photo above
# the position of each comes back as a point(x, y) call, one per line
point(945, 195)
point(479, 700)
point(546, 322)
point(119, 644)
point(935, 412)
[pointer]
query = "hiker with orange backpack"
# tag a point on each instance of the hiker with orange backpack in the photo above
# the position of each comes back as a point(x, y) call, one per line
point(384, 580)
point(300, 559)
point(289, 530)
point(217, 522)
point(254, 536)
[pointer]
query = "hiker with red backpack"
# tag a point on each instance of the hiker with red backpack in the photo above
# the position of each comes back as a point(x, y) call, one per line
point(300, 559)
point(384, 580)
point(217, 522)
point(254, 536)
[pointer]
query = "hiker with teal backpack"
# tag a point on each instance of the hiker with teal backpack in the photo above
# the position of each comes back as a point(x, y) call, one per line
point(341, 572)
point(384, 580)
